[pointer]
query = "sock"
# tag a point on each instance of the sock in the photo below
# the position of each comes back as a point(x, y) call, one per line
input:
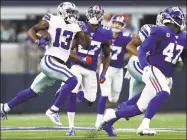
point(71, 108)
point(54, 109)
point(22, 97)
point(145, 123)
point(155, 104)
point(128, 111)
point(71, 118)
point(6, 108)
point(65, 91)
point(111, 122)
point(131, 101)
point(101, 106)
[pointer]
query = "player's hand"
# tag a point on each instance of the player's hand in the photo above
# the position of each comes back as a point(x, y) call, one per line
point(102, 78)
point(146, 74)
point(86, 60)
point(42, 42)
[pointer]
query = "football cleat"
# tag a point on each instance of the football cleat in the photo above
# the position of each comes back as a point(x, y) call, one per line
point(53, 115)
point(109, 130)
point(147, 131)
point(71, 132)
point(3, 114)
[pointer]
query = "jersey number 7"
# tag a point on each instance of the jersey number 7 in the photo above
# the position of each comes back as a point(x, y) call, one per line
point(68, 38)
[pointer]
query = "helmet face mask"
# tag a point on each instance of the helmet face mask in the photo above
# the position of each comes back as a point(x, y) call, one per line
point(95, 14)
point(68, 12)
point(117, 23)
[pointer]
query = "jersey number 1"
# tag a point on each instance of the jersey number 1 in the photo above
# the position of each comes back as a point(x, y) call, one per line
point(169, 52)
point(66, 43)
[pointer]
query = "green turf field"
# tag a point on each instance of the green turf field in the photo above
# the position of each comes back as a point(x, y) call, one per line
point(124, 129)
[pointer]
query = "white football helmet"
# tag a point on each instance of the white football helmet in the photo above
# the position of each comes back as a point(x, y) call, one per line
point(159, 18)
point(68, 11)
point(121, 23)
point(95, 14)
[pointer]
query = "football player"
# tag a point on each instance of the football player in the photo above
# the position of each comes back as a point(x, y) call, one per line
point(110, 90)
point(63, 29)
point(86, 88)
point(165, 45)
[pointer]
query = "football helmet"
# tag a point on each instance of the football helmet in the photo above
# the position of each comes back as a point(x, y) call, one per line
point(117, 27)
point(159, 18)
point(95, 14)
point(68, 11)
point(174, 15)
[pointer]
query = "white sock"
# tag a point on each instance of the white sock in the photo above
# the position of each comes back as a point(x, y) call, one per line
point(6, 108)
point(71, 118)
point(145, 123)
point(99, 117)
point(55, 108)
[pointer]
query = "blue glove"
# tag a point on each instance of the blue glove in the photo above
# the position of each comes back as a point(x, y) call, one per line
point(44, 41)
point(102, 77)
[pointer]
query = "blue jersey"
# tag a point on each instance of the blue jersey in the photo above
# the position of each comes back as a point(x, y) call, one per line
point(103, 34)
point(166, 52)
point(118, 49)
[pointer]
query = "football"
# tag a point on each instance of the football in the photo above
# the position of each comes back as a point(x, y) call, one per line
point(42, 33)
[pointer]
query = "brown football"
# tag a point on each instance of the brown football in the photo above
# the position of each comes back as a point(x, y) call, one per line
point(42, 33)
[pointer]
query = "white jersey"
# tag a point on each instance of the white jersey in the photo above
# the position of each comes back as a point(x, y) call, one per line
point(62, 35)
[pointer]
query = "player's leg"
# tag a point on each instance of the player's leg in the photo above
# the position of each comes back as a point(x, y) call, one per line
point(39, 84)
point(161, 84)
point(89, 86)
point(136, 83)
point(131, 110)
point(71, 101)
point(105, 91)
point(55, 69)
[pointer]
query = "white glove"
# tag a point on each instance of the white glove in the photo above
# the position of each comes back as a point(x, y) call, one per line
point(146, 74)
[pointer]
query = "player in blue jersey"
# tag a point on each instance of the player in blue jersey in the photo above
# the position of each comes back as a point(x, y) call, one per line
point(86, 88)
point(165, 45)
point(110, 90)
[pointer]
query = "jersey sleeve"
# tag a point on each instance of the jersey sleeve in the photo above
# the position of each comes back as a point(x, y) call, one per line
point(145, 31)
point(127, 36)
point(108, 35)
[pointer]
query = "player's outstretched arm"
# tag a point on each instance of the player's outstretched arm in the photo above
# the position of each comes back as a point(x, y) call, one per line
point(83, 39)
point(40, 26)
point(133, 44)
point(106, 52)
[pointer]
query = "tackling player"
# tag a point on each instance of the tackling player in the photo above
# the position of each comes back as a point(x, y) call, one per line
point(165, 45)
point(63, 29)
point(110, 90)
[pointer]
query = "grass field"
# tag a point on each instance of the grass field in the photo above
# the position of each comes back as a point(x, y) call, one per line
point(169, 126)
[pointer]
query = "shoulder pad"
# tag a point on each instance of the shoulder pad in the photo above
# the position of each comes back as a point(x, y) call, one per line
point(47, 17)
point(105, 27)
point(126, 34)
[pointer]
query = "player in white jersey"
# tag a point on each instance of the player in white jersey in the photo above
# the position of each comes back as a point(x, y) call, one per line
point(63, 30)
point(133, 66)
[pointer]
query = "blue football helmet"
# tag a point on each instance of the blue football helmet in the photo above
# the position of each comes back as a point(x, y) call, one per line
point(119, 19)
point(174, 15)
point(95, 14)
